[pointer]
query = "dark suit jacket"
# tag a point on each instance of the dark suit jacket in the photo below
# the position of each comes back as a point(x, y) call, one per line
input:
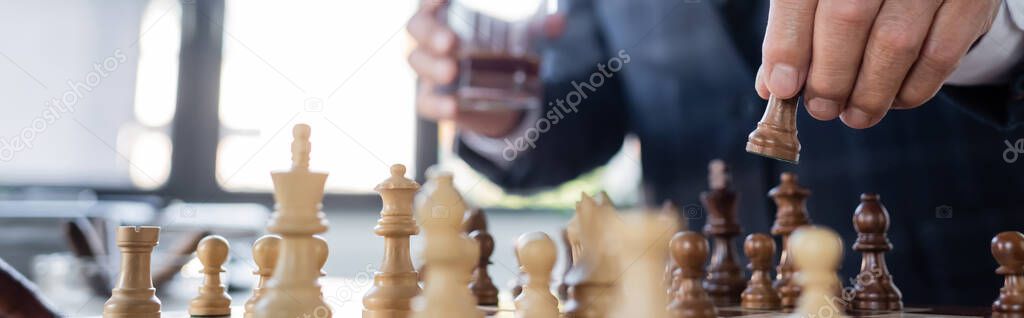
point(688, 95)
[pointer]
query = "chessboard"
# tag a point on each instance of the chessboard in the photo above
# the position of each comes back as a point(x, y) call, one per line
point(724, 312)
point(342, 295)
point(639, 264)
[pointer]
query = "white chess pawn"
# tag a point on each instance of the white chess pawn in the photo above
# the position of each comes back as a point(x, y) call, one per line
point(264, 253)
point(213, 299)
point(322, 250)
point(537, 257)
point(816, 253)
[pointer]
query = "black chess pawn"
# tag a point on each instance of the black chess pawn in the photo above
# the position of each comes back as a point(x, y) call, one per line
point(482, 286)
point(759, 294)
point(690, 251)
point(1008, 250)
point(874, 286)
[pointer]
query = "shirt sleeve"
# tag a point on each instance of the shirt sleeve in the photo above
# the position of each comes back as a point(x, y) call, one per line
point(993, 58)
point(493, 149)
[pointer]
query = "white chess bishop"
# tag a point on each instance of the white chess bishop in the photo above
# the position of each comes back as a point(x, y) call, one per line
point(293, 290)
point(450, 255)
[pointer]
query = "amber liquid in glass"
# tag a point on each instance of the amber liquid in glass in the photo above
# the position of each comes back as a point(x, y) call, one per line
point(492, 81)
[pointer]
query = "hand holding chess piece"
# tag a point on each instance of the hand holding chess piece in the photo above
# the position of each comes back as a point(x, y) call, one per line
point(264, 253)
point(817, 252)
point(1008, 250)
point(775, 135)
point(213, 299)
point(537, 257)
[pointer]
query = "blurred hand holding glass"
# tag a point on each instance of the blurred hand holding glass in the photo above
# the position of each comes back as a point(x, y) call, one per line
point(499, 52)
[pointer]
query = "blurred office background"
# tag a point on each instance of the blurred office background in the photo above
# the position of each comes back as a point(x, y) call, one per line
point(173, 113)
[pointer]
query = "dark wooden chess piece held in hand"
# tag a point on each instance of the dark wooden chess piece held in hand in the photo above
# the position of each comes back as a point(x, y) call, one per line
point(725, 277)
point(790, 200)
point(760, 249)
point(874, 286)
point(775, 135)
point(1008, 250)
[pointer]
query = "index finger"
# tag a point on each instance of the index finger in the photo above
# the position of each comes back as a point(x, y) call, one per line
point(429, 31)
point(787, 46)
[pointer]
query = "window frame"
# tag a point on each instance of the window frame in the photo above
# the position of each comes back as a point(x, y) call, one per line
point(195, 129)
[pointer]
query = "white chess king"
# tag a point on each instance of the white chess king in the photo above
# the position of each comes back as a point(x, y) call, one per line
point(293, 289)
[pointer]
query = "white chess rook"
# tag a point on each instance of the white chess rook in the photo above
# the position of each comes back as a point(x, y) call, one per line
point(134, 296)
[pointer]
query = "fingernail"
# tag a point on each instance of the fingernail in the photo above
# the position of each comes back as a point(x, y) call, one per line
point(759, 85)
point(856, 118)
point(824, 109)
point(782, 81)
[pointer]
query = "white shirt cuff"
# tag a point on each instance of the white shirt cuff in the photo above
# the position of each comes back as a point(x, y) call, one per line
point(994, 57)
point(496, 150)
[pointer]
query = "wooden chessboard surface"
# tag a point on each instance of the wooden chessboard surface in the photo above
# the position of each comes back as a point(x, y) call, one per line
point(355, 312)
point(344, 295)
point(908, 312)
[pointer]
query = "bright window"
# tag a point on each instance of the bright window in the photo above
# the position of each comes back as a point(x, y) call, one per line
point(339, 66)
